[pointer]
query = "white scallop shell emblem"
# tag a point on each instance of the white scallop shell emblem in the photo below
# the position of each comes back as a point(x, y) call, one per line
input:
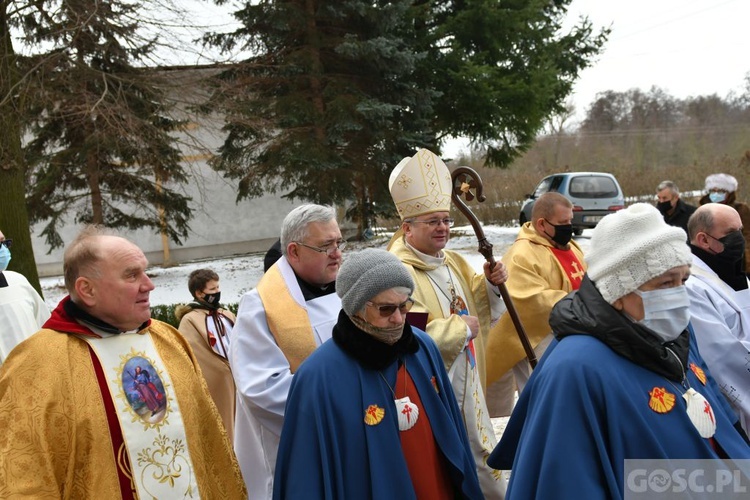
point(700, 413)
point(407, 412)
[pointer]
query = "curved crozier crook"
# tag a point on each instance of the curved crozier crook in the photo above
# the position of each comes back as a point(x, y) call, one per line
point(464, 180)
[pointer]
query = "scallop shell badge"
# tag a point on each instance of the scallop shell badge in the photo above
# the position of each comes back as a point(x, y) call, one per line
point(408, 413)
point(700, 412)
point(699, 373)
point(374, 414)
point(661, 401)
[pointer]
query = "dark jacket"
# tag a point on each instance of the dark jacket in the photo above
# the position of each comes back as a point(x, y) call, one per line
point(680, 216)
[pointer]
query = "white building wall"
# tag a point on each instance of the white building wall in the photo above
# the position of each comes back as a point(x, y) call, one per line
point(219, 227)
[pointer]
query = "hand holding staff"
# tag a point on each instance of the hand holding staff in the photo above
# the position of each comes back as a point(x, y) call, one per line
point(464, 180)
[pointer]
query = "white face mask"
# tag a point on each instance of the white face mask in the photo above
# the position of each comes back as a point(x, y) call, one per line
point(667, 311)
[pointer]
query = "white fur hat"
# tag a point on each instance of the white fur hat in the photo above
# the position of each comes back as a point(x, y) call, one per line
point(421, 185)
point(632, 246)
point(725, 182)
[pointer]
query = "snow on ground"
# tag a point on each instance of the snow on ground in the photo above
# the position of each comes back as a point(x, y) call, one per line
point(240, 273)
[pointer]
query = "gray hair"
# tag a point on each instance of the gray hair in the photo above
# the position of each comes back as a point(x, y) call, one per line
point(295, 225)
point(83, 254)
point(668, 184)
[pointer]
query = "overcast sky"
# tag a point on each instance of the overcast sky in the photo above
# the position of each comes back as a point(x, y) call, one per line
point(686, 47)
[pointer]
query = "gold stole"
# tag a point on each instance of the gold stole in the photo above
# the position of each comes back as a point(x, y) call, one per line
point(287, 320)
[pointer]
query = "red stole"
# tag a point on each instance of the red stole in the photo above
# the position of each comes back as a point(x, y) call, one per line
point(570, 265)
point(427, 467)
point(121, 457)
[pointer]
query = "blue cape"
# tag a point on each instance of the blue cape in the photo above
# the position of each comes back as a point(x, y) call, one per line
point(327, 450)
point(586, 409)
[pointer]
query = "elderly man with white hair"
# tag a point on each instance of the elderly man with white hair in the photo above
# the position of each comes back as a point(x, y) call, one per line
point(279, 323)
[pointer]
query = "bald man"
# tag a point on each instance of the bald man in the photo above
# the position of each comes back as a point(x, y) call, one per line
point(720, 301)
point(544, 265)
point(105, 402)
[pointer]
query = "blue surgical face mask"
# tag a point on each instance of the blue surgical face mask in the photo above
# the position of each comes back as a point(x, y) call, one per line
point(666, 312)
point(717, 196)
point(4, 257)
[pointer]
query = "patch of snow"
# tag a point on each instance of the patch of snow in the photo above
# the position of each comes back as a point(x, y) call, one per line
point(241, 273)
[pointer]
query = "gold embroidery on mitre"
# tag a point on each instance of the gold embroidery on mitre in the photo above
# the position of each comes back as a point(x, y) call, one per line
point(374, 414)
point(404, 181)
point(420, 185)
point(661, 401)
point(699, 373)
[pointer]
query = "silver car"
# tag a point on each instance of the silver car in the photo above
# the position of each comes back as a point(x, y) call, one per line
point(593, 195)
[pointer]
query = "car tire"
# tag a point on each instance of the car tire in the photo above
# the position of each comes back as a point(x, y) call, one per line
point(578, 231)
point(522, 219)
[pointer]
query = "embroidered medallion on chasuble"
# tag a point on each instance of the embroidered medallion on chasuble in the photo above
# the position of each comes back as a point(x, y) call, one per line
point(148, 414)
point(421, 185)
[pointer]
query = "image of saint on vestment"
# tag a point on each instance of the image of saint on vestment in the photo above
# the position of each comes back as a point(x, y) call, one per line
point(144, 389)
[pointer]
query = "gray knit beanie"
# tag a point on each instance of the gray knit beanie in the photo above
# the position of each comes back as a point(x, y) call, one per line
point(632, 246)
point(365, 274)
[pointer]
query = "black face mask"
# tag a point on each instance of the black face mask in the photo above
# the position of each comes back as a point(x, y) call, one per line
point(734, 247)
point(563, 233)
point(212, 299)
point(664, 207)
point(729, 265)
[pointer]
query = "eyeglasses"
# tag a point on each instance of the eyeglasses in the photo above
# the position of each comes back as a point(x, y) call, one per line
point(328, 249)
point(387, 310)
point(435, 222)
point(7, 243)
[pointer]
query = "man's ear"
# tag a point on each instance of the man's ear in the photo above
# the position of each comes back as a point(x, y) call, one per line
point(406, 228)
point(701, 241)
point(539, 224)
point(292, 252)
point(86, 290)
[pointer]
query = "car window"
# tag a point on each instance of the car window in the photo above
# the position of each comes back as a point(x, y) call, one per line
point(548, 184)
point(592, 186)
point(542, 188)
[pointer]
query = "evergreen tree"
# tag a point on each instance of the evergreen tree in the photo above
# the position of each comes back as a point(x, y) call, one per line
point(502, 67)
point(101, 148)
point(328, 103)
point(339, 91)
